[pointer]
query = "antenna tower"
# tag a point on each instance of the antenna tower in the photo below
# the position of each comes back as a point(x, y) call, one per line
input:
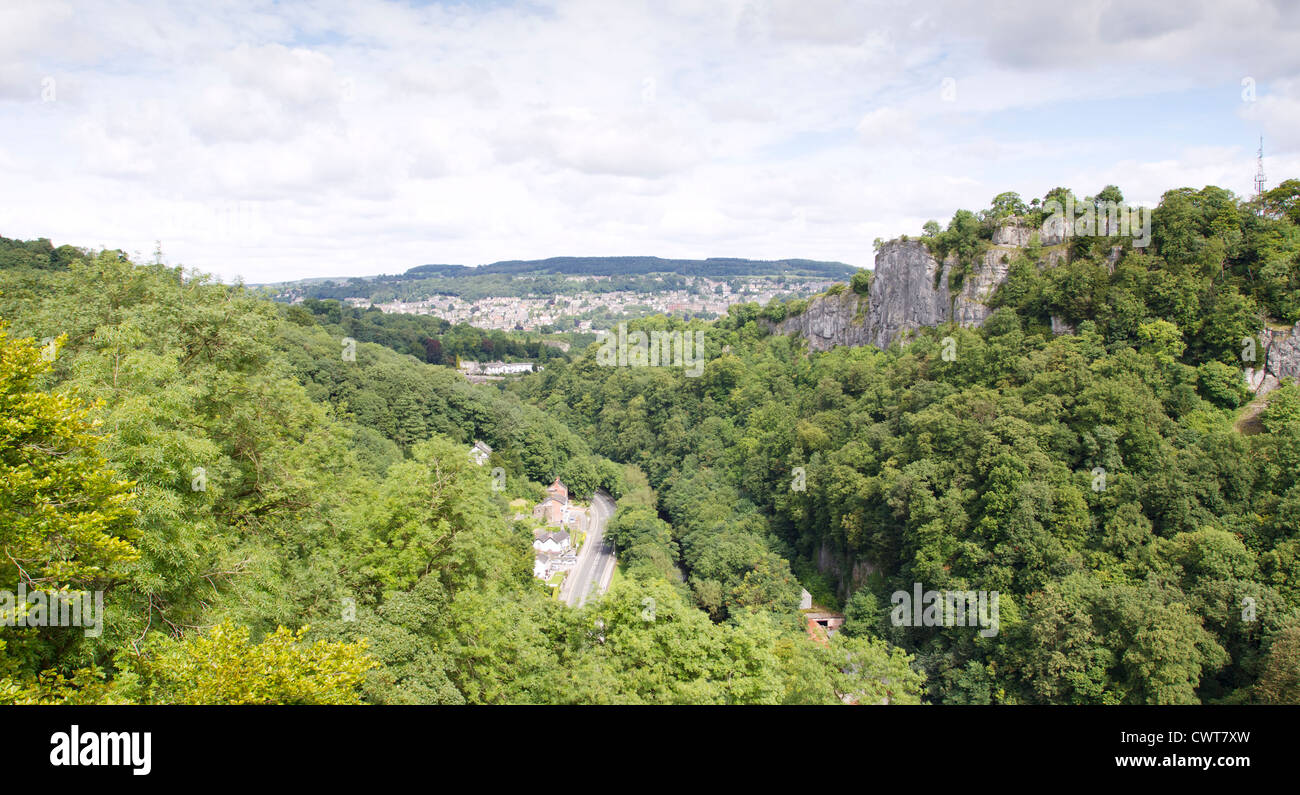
point(1259, 169)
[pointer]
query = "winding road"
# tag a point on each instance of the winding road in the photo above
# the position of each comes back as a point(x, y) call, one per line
point(595, 566)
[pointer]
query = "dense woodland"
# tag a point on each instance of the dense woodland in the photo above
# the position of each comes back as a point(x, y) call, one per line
point(426, 337)
point(978, 473)
point(272, 524)
point(344, 549)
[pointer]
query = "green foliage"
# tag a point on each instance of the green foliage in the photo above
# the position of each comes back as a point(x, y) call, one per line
point(64, 514)
point(339, 494)
point(426, 337)
point(1004, 206)
point(1221, 384)
point(276, 485)
point(1280, 681)
point(861, 282)
point(222, 666)
point(977, 474)
point(965, 239)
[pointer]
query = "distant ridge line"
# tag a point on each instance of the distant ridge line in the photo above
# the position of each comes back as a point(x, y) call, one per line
point(635, 265)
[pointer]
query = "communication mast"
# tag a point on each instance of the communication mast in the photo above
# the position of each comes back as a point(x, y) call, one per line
point(1259, 169)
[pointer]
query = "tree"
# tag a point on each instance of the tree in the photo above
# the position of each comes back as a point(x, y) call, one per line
point(870, 671)
point(65, 517)
point(1284, 201)
point(1221, 384)
point(1280, 681)
point(222, 666)
point(1110, 193)
point(430, 515)
point(861, 282)
point(1005, 205)
point(432, 351)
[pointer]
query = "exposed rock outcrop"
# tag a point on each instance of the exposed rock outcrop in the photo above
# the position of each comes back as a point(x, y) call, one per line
point(829, 320)
point(1013, 235)
point(908, 290)
point(1283, 351)
point(970, 307)
point(1059, 326)
point(849, 573)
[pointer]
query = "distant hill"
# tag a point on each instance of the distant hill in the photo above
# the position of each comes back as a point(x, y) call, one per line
point(715, 267)
point(570, 275)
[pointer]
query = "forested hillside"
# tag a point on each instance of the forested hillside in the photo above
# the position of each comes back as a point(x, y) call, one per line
point(1145, 549)
point(426, 337)
point(269, 522)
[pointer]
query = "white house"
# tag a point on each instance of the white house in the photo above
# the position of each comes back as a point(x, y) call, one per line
point(480, 453)
point(551, 543)
point(507, 368)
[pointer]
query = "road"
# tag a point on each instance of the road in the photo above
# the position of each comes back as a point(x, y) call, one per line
point(595, 566)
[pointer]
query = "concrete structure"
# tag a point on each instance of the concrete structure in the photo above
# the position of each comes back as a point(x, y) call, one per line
point(822, 625)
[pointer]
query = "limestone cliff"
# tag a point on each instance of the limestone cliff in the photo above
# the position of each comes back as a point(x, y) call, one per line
point(1283, 351)
point(829, 320)
point(910, 289)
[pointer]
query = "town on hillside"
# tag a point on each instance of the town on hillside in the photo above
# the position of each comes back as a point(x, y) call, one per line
point(701, 297)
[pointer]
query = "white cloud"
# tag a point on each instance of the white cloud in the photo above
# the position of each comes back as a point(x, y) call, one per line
point(885, 125)
point(283, 141)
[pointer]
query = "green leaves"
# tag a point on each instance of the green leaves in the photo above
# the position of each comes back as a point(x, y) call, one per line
point(65, 516)
point(222, 666)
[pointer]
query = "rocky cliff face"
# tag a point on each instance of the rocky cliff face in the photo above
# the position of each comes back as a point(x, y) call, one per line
point(1283, 351)
point(829, 320)
point(849, 572)
point(904, 293)
point(970, 307)
point(910, 290)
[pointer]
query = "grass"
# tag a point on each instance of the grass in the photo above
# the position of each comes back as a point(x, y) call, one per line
point(1248, 422)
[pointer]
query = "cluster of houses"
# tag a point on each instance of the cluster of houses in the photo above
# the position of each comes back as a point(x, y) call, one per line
point(495, 368)
point(553, 550)
point(485, 372)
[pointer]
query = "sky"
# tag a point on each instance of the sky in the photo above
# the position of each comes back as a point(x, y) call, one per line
point(271, 141)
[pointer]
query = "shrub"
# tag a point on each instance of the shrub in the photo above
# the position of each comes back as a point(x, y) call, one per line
point(861, 282)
